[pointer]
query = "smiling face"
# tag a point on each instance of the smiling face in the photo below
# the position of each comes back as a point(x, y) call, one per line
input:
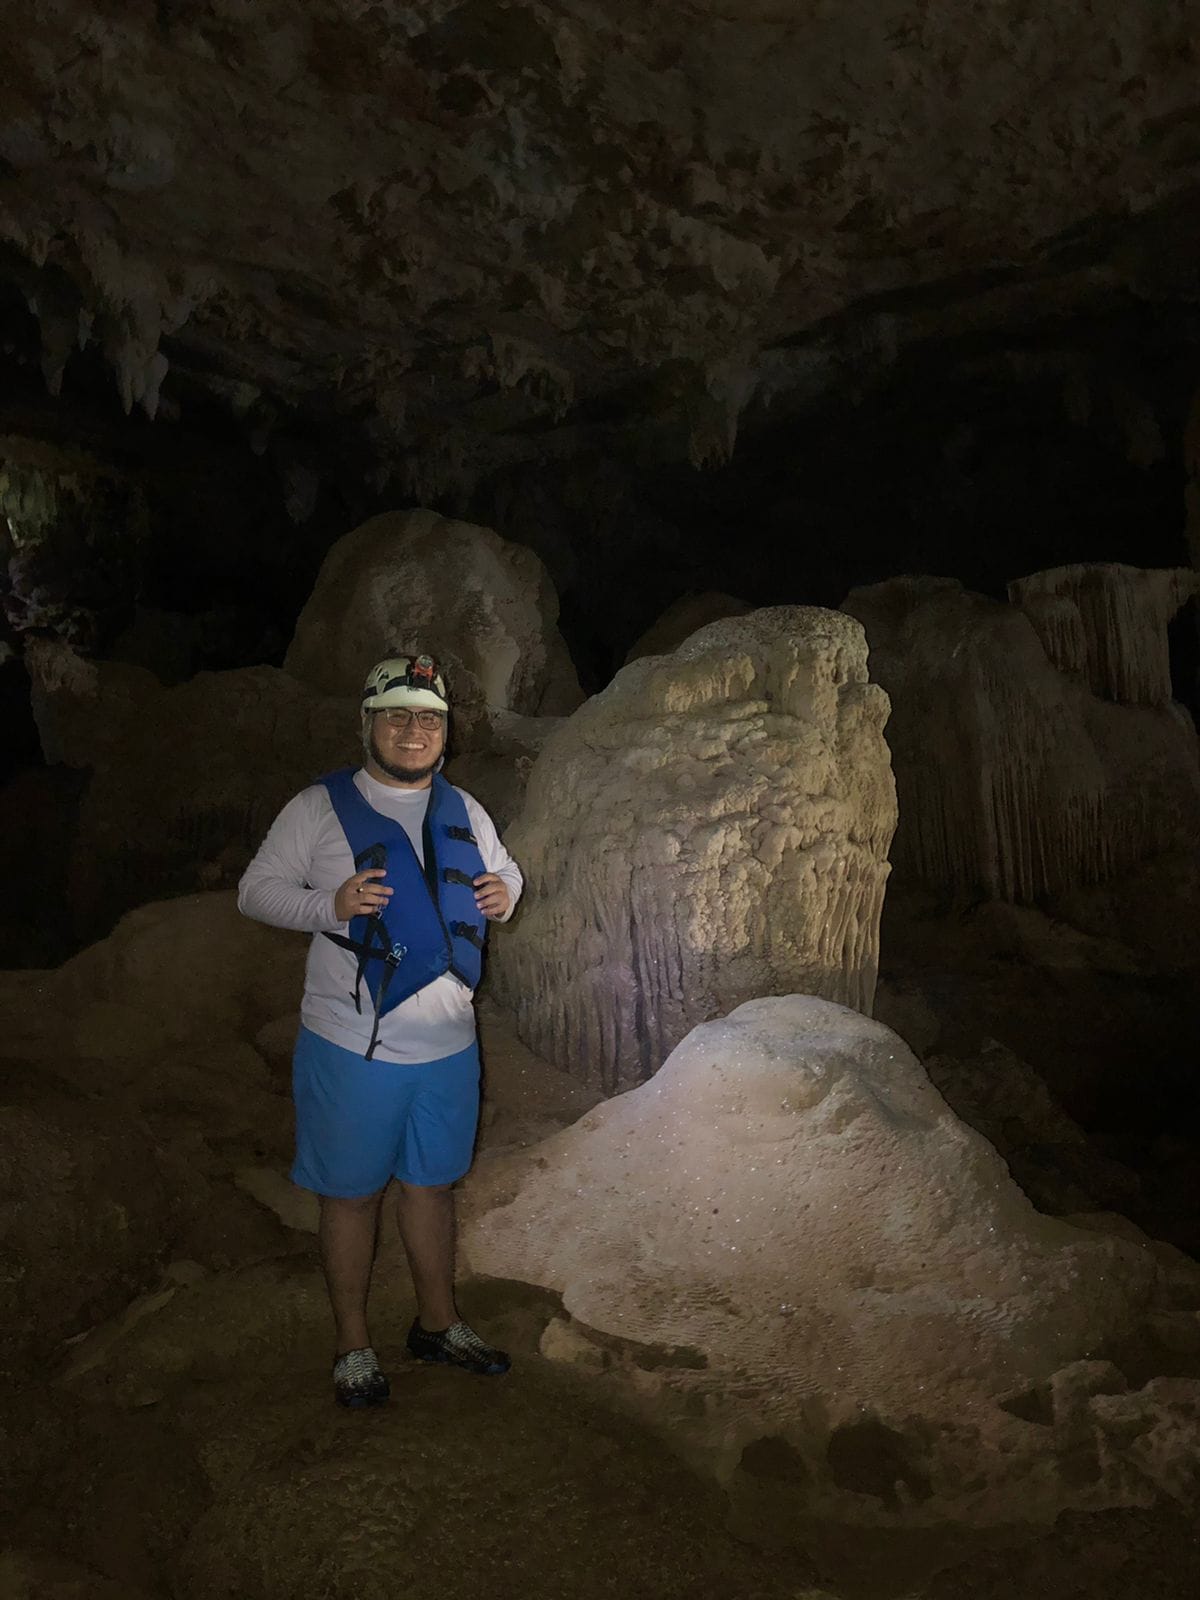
point(399, 750)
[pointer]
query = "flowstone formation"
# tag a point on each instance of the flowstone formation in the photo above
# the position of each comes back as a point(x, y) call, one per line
point(786, 1251)
point(1036, 749)
point(411, 580)
point(714, 825)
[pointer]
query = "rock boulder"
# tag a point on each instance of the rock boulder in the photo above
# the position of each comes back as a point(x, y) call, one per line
point(410, 580)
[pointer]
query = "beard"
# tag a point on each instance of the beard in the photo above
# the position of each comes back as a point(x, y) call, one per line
point(395, 770)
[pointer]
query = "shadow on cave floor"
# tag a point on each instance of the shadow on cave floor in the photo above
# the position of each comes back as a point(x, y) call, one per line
point(181, 1473)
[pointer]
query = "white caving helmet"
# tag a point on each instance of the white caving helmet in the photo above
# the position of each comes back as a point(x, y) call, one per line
point(414, 681)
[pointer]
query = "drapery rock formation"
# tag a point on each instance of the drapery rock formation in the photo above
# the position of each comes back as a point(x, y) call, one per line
point(785, 1248)
point(1106, 625)
point(1015, 778)
point(412, 580)
point(713, 826)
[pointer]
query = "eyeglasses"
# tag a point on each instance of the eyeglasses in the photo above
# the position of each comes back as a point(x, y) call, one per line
point(400, 718)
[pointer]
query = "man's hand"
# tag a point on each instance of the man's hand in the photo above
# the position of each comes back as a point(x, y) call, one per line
point(360, 895)
point(491, 895)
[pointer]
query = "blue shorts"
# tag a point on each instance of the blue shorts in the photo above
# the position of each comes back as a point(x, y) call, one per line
point(360, 1122)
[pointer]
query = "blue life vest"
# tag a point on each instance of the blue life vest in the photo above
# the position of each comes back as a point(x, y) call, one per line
point(432, 924)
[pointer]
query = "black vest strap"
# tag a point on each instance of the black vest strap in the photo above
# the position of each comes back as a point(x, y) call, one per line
point(376, 934)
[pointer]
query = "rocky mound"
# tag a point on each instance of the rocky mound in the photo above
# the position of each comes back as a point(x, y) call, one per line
point(787, 1251)
point(183, 781)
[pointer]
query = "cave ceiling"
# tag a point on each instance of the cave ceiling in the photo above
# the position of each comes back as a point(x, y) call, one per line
point(482, 233)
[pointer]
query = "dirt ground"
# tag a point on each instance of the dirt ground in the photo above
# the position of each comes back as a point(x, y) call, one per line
point(202, 1456)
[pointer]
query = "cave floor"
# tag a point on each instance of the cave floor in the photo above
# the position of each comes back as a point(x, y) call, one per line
point(153, 1475)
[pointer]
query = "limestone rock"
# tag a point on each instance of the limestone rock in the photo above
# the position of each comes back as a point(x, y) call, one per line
point(785, 1246)
point(1015, 779)
point(184, 780)
point(906, 1011)
point(130, 1096)
point(498, 774)
point(682, 619)
point(193, 967)
point(524, 1098)
point(1048, 1154)
point(413, 580)
point(34, 1575)
point(156, 1014)
point(276, 1039)
point(712, 826)
point(91, 1206)
point(300, 1504)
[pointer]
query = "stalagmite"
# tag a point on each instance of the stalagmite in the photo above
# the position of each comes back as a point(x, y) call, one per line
point(713, 826)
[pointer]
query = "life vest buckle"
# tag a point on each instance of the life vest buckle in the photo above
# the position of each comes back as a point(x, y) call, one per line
point(396, 955)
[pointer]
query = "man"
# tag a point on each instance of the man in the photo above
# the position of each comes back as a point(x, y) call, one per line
point(396, 873)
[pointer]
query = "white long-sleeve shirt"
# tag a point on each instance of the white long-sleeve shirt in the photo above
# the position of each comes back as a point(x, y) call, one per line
point(291, 883)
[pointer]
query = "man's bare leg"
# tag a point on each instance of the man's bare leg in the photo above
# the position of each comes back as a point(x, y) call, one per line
point(426, 1219)
point(348, 1232)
